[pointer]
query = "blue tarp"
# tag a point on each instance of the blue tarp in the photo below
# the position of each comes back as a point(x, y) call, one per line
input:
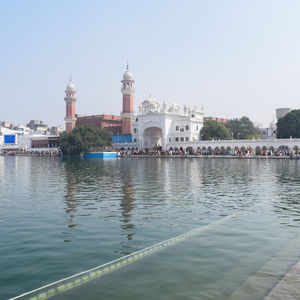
point(9, 139)
point(122, 138)
point(100, 154)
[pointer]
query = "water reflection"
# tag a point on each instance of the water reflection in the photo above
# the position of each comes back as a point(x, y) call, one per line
point(127, 203)
point(70, 167)
point(287, 199)
point(108, 208)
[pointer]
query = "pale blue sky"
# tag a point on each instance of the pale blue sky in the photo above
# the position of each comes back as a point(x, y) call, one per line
point(234, 58)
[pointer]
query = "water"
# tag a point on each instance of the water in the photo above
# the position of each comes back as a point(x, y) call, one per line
point(60, 217)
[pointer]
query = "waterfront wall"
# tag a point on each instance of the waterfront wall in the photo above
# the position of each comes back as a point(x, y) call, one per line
point(232, 144)
point(226, 144)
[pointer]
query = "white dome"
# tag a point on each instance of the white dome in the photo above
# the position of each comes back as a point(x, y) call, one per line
point(150, 105)
point(71, 87)
point(151, 100)
point(127, 75)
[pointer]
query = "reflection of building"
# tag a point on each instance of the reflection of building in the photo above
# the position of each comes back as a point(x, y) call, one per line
point(219, 120)
point(127, 205)
point(281, 112)
point(127, 202)
point(156, 126)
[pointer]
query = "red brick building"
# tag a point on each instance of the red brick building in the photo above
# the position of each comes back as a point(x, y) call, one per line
point(114, 124)
point(110, 123)
point(219, 120)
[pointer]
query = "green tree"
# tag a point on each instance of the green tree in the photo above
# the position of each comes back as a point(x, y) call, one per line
point(242, 128)
point(84, 139)
point(214, 130)
point(289, 125)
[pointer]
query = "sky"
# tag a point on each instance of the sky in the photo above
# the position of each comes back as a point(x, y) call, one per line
point(233, 58)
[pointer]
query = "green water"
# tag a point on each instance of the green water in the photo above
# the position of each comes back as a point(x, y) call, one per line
point(61, 217)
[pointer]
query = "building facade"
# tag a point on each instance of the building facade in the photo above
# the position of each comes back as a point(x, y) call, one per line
point(110, 123)
point(156, 125)
point(117, 125)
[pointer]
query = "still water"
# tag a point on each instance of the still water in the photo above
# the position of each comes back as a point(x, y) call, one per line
point(61, 217)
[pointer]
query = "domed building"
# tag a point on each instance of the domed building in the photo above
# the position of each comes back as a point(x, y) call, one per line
point(156, 125)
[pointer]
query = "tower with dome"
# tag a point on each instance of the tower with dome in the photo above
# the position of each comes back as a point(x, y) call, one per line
point(127, 111)
point(70, 99)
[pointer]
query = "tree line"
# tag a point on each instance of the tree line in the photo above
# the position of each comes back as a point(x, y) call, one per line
point(243, 128)
point(289, 125)
point(239, 128)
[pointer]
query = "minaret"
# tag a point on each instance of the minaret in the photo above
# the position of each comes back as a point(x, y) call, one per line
point(127, 91)
point(70, 106)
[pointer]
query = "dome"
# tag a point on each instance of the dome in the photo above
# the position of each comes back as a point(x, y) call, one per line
point(71, 87)
point(150, 105)
point(127, 75)
point(150, 99)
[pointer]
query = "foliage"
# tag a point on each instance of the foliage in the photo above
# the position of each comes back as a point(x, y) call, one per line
point(84, 139)
point(214, 130)
point(289, 125)
point(242, 128)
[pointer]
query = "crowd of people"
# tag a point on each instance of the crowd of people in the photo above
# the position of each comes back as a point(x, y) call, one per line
point(178, 152)
point(282, 152)
point(29, 153)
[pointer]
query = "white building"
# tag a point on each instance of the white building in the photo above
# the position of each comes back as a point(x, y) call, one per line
point(21, 139)
point(157, 126)
point(9, 138)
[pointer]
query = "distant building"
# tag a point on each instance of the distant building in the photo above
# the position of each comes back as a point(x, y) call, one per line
point(37, 125)
point(44, 142)
point(281, 112)
point(56, 130)
point(7, 124)
point(8, 138)
point(22, 138)
point(269, 132)
point(219, 120)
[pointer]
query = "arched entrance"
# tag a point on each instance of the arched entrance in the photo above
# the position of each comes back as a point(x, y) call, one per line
point(152, 137)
